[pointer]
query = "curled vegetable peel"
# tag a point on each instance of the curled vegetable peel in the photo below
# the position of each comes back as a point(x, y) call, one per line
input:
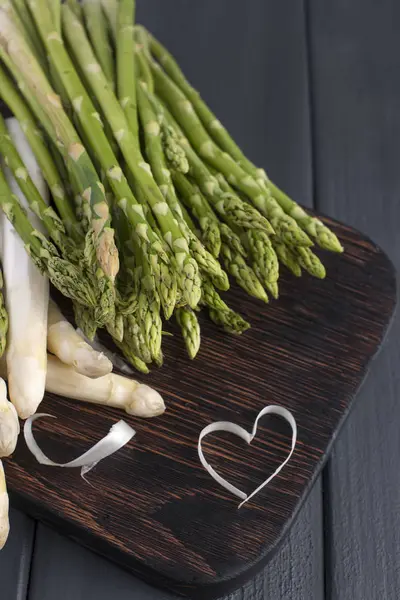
point(119, 435)
point(248, 437)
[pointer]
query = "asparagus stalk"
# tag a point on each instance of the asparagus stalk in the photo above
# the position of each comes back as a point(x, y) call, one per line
point(181, 107)
point(27, 295)
point(311, 225)
point(4, 505)
point(46, 213)
point(113, 390)
point(148, 313)
point(76, 8)
point(132, 358)
point(97, 28)
point(134, 337)
point(13, 47)
point(125, 45)
point(188, 269)
point(232, 239)
point(188, 219)
point(65, 276)
point(310, 262)
point(89, 119)
point(14, 14)
point(220, 313)
point(154, 151)
point(110, 8)
point(244, 275)
point(263, 259)
point(85, 320)
point(18, 106)
point(55, 10)
point(71, 349)
point(284, 225)
point(198, 205)
point(115, 327)
point(190, 329)
point(229, 206)
point(3, 317)
point(9, 423)
point(141, 46)
point(152, 326)
point(288, 258)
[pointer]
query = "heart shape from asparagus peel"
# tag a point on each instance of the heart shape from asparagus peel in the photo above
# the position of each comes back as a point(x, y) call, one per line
point(248, 437)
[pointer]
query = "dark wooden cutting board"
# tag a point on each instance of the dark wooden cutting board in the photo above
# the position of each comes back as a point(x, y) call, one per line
point(151, 507)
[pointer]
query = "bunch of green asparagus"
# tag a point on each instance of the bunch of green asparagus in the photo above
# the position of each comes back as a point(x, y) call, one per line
point(154, 205)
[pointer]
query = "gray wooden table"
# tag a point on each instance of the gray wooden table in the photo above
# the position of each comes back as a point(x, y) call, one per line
point(311, 90)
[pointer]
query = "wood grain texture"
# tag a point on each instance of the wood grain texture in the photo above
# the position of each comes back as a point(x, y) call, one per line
point(152, 507)
point(356, 62)
point(272, 125)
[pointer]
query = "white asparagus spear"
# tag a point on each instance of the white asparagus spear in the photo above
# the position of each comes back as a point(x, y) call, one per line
point(27, 298)
point(111, 390)
point(135, 398)
point(71, 349)
point(9, 423)
point(4, 505)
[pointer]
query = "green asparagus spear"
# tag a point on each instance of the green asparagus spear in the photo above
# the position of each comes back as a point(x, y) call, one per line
point(132, 358)
point(310, 262)
point(311, 225)
point(154, 152)
point(134, 337)
point(125, 44)
point(188, 269)
point(190, 329)
point(229, 206)
point(110, 8)
point(244, 275)
point(115, 327)
point(181, 107)
point(220, 312)
point(97, 28)
point(198, 205)
point(14, 48)
point(65, 276)
point(288, 258)
point(85, 319)
point(46, 214)
point(89, 120)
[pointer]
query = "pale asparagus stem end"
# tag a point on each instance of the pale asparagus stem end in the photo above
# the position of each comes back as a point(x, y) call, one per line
point(9, 423)
point(111, 390)
point(71, 349)
point(4, 506)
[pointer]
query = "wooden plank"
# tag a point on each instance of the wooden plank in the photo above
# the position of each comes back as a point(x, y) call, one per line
point(15, 558)
point(268, 113)
point(295, 573)
point(356, 65)
point(64, 570)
